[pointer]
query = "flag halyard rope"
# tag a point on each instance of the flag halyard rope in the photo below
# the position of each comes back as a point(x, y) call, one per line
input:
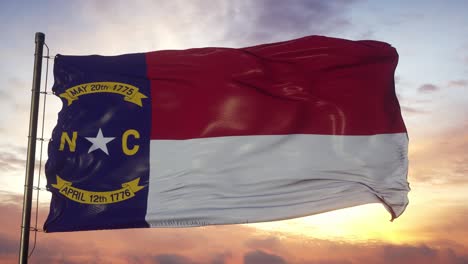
point(37, 188)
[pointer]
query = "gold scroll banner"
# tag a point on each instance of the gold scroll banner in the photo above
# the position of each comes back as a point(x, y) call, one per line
point(131, 93)
point(127, 191)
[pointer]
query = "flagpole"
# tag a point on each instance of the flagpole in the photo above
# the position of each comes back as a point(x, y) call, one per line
point(31, 154)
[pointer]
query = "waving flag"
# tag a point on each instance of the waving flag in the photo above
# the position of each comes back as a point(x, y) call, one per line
point(211, 136)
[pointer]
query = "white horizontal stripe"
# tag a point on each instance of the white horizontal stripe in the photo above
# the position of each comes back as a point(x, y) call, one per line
point(245, 179)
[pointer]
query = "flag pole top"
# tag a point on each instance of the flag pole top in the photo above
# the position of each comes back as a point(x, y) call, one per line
point(40, 37)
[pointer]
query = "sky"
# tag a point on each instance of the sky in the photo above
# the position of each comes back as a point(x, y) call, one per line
point(431, 83)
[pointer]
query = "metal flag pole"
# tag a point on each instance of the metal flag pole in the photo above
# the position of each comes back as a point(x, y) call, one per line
point(31, 154)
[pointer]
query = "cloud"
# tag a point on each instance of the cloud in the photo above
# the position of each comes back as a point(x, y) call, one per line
point(265, 21)
point(10, 199)
point(172, 259)
point(13, 159)
point(407, 254)
point(229, 244)
point(442, 159)
point(449, 225)
point(14, 103)
point(260, 257)
point(4, 96)
point(428, 88)
point(458, 83)
point(14, 107)
point(332, 262)
point(408, 110)
point(221, 258)
point(187, 24)
point(7, 245)
point(15, 91)
point(267, 243)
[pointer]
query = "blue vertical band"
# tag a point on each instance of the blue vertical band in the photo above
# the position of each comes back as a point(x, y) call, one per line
point(106, 108)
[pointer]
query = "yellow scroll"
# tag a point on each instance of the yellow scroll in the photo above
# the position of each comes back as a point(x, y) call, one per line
point(127, 191)
point(131, 93)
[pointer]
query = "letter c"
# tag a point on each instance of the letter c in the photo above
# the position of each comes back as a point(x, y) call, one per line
point(130, 151)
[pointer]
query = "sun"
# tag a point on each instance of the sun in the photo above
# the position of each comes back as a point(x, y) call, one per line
point(364, 223)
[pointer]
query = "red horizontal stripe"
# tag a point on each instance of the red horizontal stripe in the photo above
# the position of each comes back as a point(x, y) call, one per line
point(312, 85)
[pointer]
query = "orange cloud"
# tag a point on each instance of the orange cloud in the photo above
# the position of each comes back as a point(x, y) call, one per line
point(228, 244)
point(442, 158)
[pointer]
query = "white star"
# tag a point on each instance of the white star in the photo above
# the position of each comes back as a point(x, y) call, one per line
point(99, 142)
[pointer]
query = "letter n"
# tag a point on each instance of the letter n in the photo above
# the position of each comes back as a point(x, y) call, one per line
point(65, 139)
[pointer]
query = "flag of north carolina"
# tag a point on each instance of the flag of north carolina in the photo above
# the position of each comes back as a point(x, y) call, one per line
point(208, 136)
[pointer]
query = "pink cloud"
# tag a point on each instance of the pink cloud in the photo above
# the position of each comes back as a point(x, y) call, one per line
point(458, 83)
point(427, 88)
point(220, 245)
